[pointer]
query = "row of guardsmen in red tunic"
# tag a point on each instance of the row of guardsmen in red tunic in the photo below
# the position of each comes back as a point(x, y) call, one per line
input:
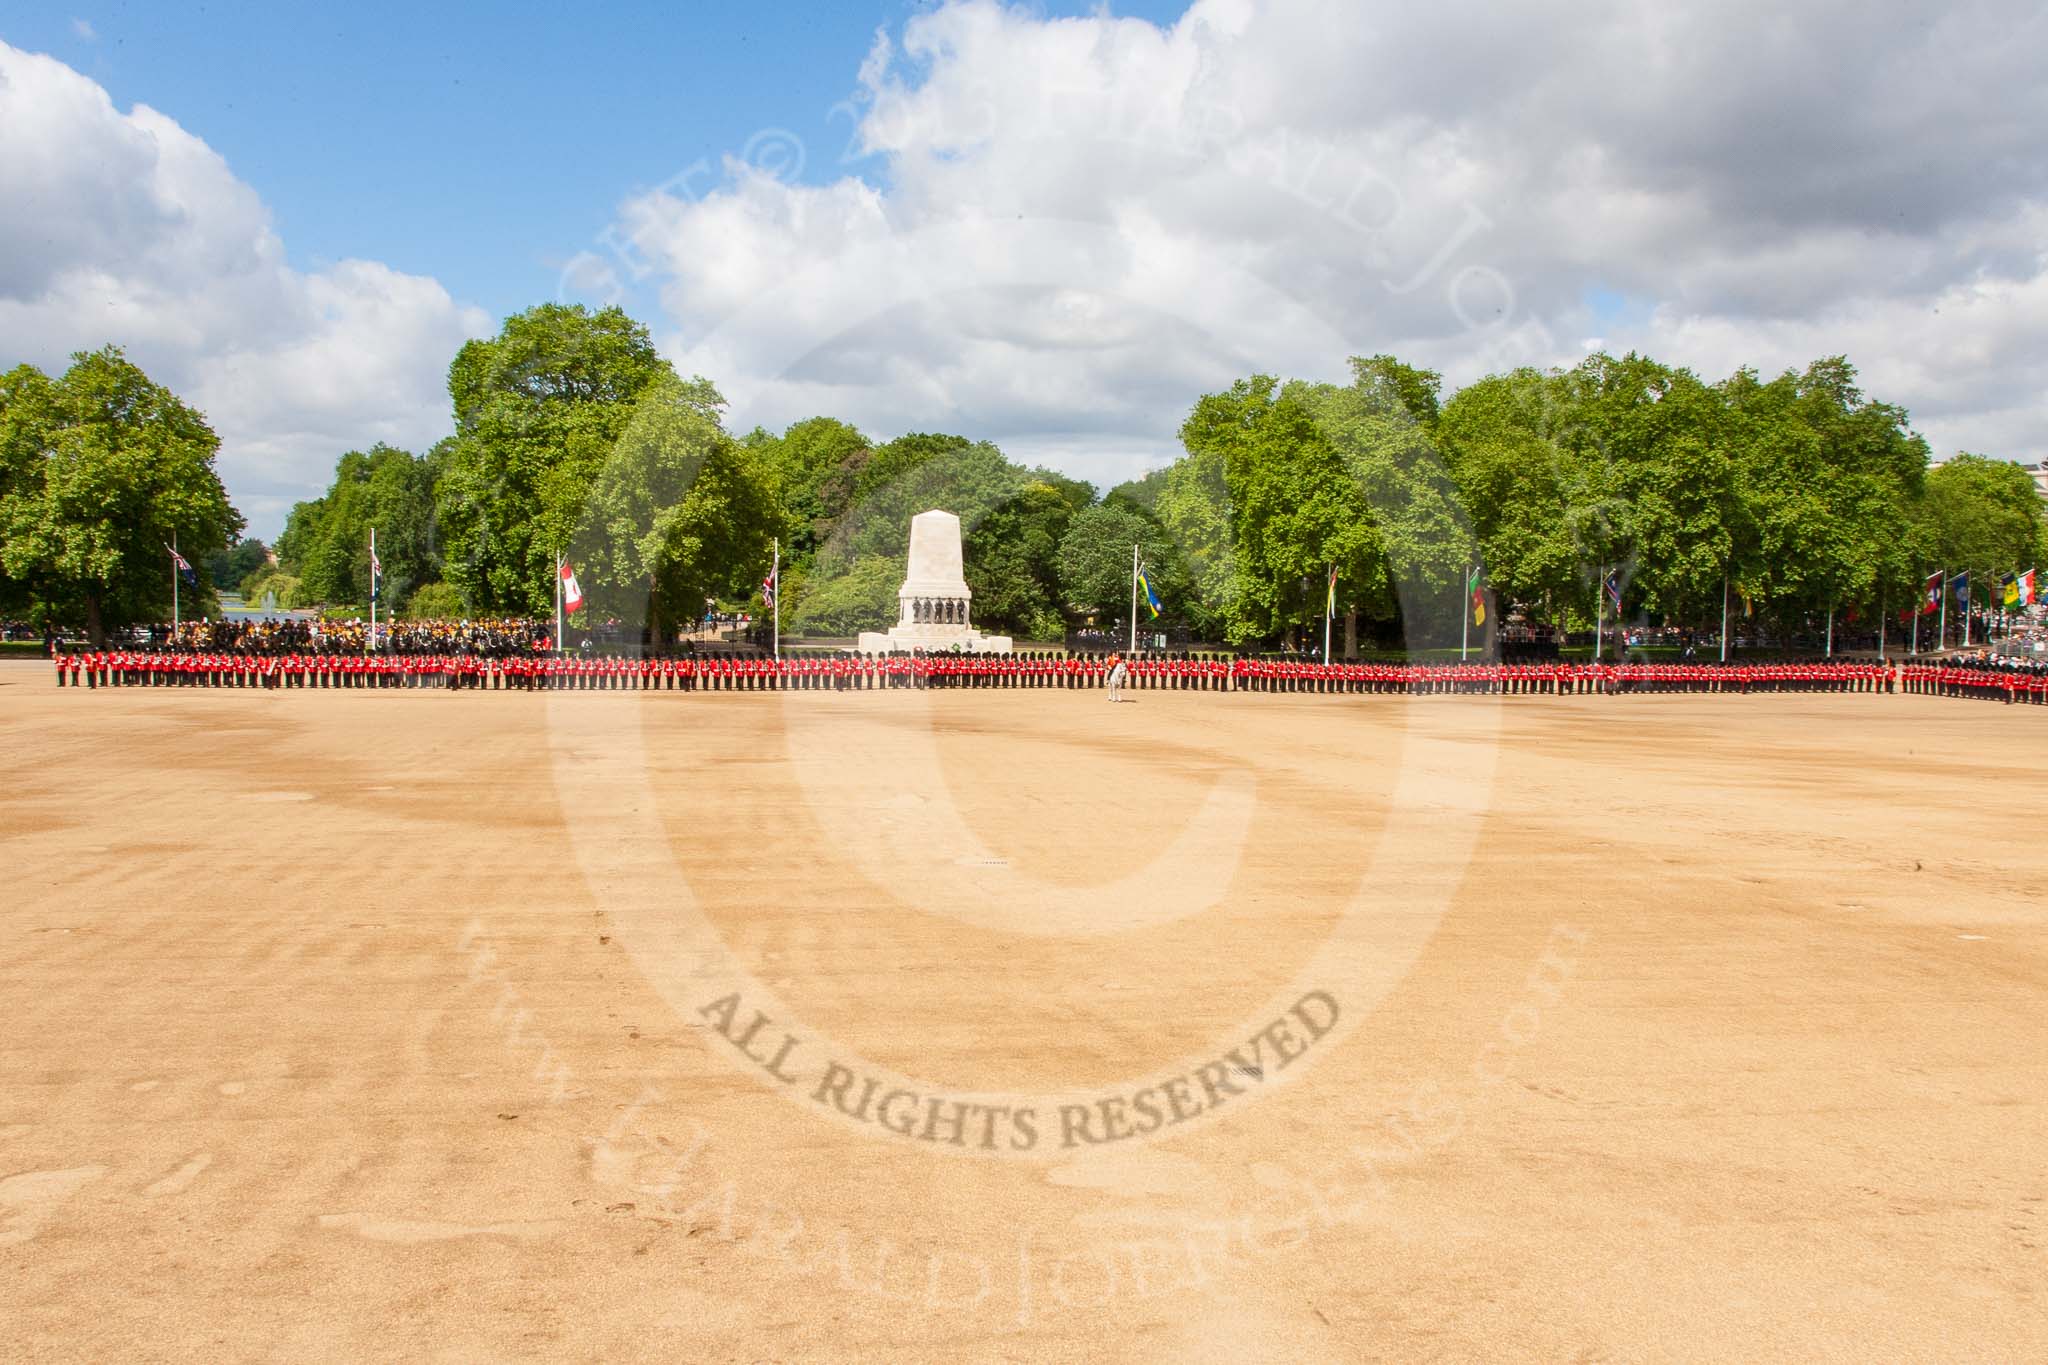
point(1978, 680)
point(810, 671)
point(1559, 678)
point(839, 671)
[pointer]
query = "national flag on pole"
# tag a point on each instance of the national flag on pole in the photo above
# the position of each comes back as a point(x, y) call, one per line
point(1145, 591)
point(572, 591)
point(1614, 591)
point(1962, 588)
point(1478, 596)
point(1748, 606)
point(2009, 589)
point(376, 569)
point(183, 566)
point(1931, 595)
point(769, 585)
point(2025, 583)
point(1330, 598)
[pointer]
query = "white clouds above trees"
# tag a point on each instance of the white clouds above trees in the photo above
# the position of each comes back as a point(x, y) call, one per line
point(125, 228)
point(1055, 233)
point(1065, 228)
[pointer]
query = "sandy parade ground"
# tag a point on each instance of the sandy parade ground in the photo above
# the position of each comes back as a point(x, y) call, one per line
point(1017, 1026)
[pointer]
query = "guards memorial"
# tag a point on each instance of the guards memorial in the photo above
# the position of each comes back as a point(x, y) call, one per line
point(932, 604)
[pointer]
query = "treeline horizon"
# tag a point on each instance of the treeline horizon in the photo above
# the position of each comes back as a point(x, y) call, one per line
point(1793, 497)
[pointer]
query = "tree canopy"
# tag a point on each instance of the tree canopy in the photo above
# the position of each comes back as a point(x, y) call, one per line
point(102, 470)
point(538, 411)
point(681, 512)
point(571, 435)
point(326, 541)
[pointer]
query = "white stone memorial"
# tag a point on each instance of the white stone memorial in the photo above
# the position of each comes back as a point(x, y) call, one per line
point(932, 604)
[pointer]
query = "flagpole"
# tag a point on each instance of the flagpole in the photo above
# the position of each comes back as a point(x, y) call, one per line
point(1329, 605)
point(1941, 630)
point(1465, 617)
point(373, 590)
point(1599, 614)
point(1967, 588)
point(775, 607)
point(1831, 631)
point(558, 601)
point(1881, 625)
point(1919, 610)
point(1134, 599)
point(1724, 616)
point(174, 584)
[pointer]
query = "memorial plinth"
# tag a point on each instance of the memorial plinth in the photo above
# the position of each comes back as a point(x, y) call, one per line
point(932, 605)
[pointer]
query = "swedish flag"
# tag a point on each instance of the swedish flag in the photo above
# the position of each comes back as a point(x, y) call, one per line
point(1151, 597)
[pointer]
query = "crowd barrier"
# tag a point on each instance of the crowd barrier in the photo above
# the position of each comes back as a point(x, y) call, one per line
point(848, 672)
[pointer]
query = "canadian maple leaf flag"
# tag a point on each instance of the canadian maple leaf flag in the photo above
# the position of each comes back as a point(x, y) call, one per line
point(572, 591)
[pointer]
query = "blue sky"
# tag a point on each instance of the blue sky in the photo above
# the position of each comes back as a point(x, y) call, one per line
point(481, 144)
point(1078, 218)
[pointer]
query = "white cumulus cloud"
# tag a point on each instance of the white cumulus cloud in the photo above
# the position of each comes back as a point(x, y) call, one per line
point(124, 228)
point(1066, 229)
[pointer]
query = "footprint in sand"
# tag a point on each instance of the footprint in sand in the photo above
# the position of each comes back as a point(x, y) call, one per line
point(27, 1200)
point(407, 1231)
point(177, 1180)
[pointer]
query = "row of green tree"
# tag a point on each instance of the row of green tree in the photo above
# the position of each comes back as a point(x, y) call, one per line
point(573, 436)
point(1792, 497)
point(1796, 496)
